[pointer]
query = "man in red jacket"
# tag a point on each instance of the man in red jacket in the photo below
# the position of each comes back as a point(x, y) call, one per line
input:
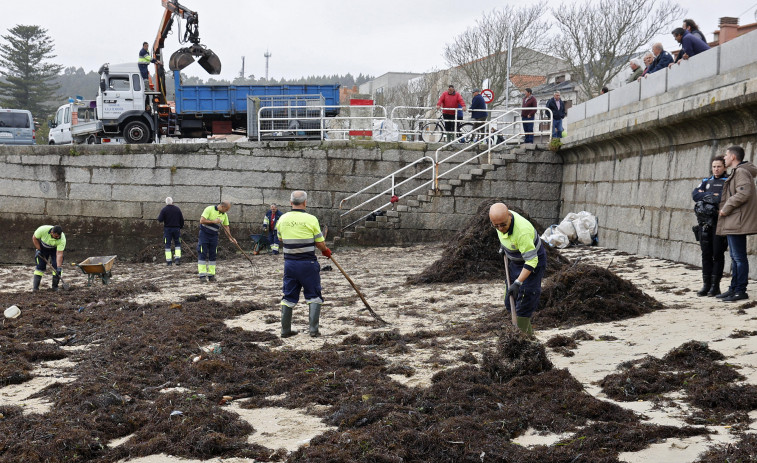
point(527, 115)
point(448, 102)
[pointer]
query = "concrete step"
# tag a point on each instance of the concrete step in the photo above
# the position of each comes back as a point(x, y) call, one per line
point(431, 193)
point(444, 187)
point(499, 161)
point(476, 172)
point(413, 203)
point(455, 182)
point(392, 214)
point(347, 235)
point(402, 208)
point(465, 177)
point(423, 198)
point(488, 167)
point(382, 218)
point(371, 224)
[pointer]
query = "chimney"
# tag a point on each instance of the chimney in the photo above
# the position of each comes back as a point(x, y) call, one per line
point(729, 29)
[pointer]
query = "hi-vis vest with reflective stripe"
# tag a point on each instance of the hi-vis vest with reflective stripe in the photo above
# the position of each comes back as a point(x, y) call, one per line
point(144, 59)
point(212, 213)
point(298, 232)
point(46, 239)
point(523, 244)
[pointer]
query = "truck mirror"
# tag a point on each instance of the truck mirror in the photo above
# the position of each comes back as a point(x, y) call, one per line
point(102, 86)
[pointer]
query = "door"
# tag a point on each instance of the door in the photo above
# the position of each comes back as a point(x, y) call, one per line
point(118, 97)
point(56, 133)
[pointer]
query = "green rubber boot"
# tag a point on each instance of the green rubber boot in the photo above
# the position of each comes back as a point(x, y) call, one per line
point(286, 322)
point(524, 323)
point(315, 316)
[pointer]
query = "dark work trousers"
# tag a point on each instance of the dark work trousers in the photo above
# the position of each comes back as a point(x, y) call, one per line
point(301, 275)
point(713, 252)
point(172, 234)
point(528, 296)
point(273, 240)
point(207, 246)
point(450, 123)
point(49, 254)
point(739, 263)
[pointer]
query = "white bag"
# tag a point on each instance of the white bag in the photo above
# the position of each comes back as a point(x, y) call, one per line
point(567, 228)
point(555, 238)
point(585, 225)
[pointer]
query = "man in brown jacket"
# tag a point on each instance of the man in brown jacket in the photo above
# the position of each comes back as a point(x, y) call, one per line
point(738, 218)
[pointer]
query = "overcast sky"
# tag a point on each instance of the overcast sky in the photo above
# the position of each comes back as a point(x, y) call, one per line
point(305, 37)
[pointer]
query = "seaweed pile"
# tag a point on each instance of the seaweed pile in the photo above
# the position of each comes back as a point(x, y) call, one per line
point(472, 254)
point(133, 351)
point(693, 369)
point(584, 294)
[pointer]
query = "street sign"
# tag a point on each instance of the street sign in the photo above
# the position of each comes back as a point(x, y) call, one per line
point(488, 95)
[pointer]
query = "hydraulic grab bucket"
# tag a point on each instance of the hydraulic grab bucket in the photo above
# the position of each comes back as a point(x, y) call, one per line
point(185, 56)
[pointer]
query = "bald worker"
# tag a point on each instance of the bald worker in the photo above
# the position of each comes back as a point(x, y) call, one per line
point(527, 262)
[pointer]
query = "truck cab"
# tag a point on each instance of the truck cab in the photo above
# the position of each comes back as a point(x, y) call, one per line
point(74, 116)
point(123, 105)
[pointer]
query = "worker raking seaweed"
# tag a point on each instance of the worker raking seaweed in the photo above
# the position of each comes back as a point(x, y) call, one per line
point(211, 221)
point(50, 242)
point(299, 234)
point(527, 262)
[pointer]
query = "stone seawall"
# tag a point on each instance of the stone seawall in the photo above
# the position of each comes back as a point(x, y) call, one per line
point(635, 166)
point(107, 198)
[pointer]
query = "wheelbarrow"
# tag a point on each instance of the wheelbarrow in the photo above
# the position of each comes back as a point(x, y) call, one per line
point(97, 266)
point(260, 244)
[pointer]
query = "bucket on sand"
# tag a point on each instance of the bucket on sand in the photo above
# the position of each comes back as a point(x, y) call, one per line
point(12, 312)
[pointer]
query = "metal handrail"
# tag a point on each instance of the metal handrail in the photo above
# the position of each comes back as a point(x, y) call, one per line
point(390, 190)
point(322, 118)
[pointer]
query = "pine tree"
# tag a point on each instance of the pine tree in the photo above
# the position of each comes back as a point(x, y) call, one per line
point(28, 76)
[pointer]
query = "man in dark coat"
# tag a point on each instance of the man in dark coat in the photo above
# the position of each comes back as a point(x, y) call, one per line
point(557, 106)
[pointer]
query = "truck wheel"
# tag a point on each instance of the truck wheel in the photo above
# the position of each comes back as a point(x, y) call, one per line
point(91, 140)
point(51, 142)
point(136, 132)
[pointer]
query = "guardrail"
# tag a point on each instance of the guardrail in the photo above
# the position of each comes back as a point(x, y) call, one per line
point(316, 121)
point(488, 136)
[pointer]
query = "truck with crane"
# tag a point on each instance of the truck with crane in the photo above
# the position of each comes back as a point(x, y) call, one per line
point(127, 109)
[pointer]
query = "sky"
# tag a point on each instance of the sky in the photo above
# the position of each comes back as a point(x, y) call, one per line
point(304, 37)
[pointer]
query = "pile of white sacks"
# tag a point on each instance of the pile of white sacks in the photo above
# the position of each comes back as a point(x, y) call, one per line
point(575, 228)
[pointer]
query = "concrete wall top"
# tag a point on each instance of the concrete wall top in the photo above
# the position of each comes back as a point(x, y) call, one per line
point(576, 113)
point(624, 95)
point(598, 105)
point(737, 52)
point(654, 84)
point(696, 68)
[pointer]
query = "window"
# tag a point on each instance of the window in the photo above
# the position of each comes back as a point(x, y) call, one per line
point(67, 118)
point(14, 120)
point(137, 82)
point(119, 83)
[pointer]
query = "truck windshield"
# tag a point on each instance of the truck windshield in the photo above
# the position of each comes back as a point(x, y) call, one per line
point(14, 120)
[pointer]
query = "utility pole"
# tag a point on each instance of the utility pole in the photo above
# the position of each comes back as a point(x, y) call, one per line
point(241, 73)
point(267, 55)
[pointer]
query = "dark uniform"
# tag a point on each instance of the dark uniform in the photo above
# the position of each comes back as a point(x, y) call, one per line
point(707, 196)
point(269, 224)
point(49, 248)
point(173, 221)
point(298, 232)
point(207, 244)
point(523, 247)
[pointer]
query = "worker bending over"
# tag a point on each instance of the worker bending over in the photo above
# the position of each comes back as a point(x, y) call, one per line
point(49, 242)
point(211, 221)
point(299, 234)
point(527, 262)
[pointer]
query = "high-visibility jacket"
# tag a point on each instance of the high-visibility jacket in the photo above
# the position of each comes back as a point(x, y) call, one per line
point(270, 220)
point(43, 235)
point(212, 213)
point(521, 242)
point(298, 232)
point(144, 57)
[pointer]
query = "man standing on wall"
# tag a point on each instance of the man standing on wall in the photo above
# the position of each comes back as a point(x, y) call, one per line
point(300, 233)
point(49, 242)
point(738, 218)
point(211, 221)
point(173, 221)
point(527, 262)
point(529, 101)
point(557, 106)
point(448, 102)
point(707, 196)
point(269, 225)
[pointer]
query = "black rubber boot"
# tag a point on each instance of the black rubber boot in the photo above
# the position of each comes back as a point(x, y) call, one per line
point(37, 281)
point(56, 281)
point(315, 316)
point(707, 279)
point(715, 288)
point(286, 322)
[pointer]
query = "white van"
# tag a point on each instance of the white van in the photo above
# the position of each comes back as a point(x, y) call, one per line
point(17, 127)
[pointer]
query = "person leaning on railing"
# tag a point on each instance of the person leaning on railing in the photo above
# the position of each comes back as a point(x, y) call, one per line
point(448, 102)
point(478, 109)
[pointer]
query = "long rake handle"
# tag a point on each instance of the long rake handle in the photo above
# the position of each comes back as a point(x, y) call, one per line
point(238, 246)
point(513, 315)
point(367, 306)
point(65, 285)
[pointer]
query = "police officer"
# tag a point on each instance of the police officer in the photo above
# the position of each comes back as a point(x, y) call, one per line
point(50, 242)
point(707, 197)
point(211, 221)
point(173, 221)
point(269, 225)
point(299, 234)
point(527, 260)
